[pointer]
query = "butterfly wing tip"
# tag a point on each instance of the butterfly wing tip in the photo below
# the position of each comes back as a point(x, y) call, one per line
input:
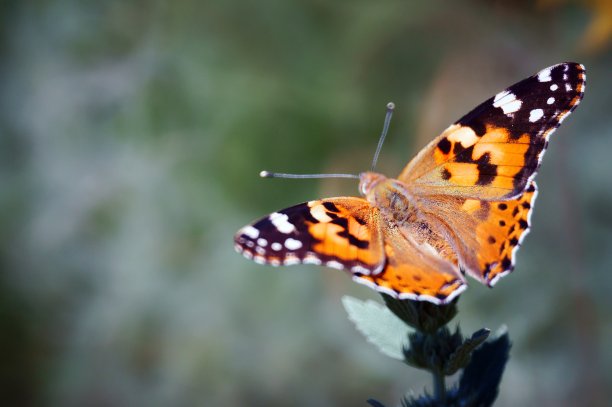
point(492, 281)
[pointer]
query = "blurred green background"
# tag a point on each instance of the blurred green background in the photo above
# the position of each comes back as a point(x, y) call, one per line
point(132, 134)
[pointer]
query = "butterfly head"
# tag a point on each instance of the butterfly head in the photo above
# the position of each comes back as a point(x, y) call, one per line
point(368, 181)
point(387, 194)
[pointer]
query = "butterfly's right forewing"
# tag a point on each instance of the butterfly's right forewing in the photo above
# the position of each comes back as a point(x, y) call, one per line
point(494, 151)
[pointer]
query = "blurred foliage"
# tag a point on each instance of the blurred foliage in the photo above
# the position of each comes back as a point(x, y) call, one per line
point(425, 342)
point(131, 136)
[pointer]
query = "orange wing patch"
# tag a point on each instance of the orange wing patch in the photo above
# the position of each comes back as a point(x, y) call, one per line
point(492, 163)
point(488, 167)
point(493, 152)
point(346, 233)
point(501, 233)
point(485, 235)
point(342, 233)
point(414, 272)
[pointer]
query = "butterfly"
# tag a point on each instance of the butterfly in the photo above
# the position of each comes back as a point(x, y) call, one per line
point(462, 206)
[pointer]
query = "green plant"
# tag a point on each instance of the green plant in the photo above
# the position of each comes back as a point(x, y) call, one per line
point(417, 333)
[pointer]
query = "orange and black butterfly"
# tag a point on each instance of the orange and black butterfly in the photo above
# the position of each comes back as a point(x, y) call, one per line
point(462, 205)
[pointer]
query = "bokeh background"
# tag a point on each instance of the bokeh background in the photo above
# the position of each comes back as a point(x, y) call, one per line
point(132, 134)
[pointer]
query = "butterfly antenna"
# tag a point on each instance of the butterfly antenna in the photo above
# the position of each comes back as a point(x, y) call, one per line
point(267, 174)
point(390, 108)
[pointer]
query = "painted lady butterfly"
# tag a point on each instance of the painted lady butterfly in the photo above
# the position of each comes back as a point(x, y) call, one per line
point(463, 204)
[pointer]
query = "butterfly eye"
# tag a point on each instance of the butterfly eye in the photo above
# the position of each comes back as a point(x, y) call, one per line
point(362, 187)
point(369, 180)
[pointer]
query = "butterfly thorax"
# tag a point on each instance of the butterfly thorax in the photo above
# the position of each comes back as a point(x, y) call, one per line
point(390, 196)
point(400, 212)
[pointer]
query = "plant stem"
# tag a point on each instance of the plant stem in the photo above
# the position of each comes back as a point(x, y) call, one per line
point(439, 387)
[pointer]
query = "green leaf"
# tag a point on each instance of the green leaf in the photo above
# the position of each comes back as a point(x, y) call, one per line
point(422, 315)
point(432, 351)
point(374, 403)
point(379, 325)
point(461, 357)
point(479, 382)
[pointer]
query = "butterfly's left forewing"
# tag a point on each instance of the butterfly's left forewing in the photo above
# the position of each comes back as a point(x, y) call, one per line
point(342, 233)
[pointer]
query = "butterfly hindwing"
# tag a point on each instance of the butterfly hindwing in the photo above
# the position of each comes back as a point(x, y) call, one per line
point(494, 151)
point(342, 233)
point(501, 235)
point(408, 272)
point(485, 235)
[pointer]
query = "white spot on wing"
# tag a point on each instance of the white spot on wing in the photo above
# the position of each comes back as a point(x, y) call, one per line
point(311, 258)
point(500, 96)
point(554, 87)
point(495, 279)
point(276, 246)
point(379, 269)
point(290, 261)
point(281, 222)
point(414, 297)
point(550, 100)
point(334, 264)
point(262, 242)
point(293, 244)
point(259, 260)
point(455, 293)
point(260, 250)
point(568, 87)
point(464, 135)
point(512, 107)
point(535, 115)
point(386, 290)
point(250, 231)
point(507, 101)
point(318, 212)
point(364, 281)
point(360, 270)
point(544, 75)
